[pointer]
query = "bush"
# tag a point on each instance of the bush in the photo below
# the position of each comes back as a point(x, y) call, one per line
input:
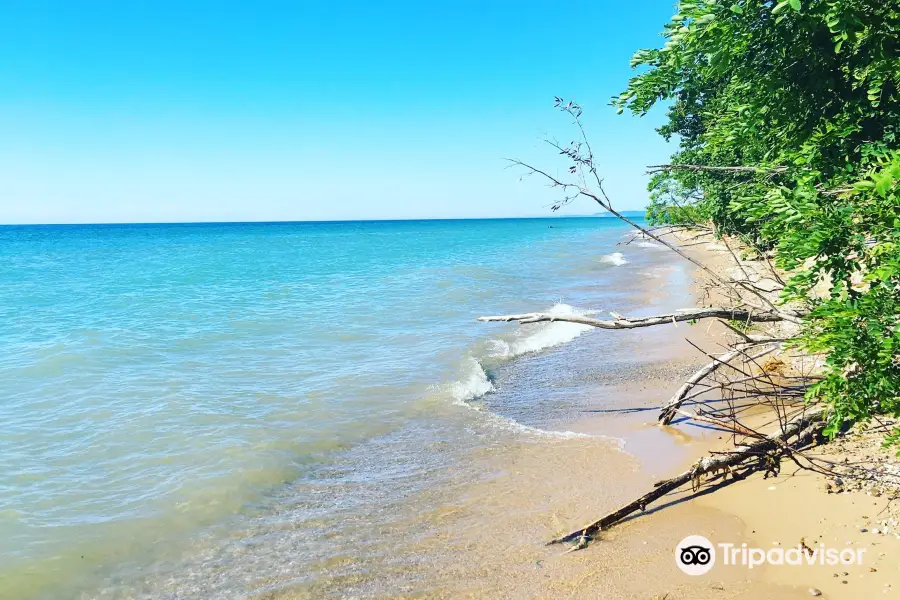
point(806, 96)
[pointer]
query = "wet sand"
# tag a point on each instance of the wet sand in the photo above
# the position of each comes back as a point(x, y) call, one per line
point(479, 529)
point(489, 542)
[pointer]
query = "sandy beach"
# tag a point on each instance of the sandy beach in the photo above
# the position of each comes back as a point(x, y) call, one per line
point(530, 433)
point(491, 543)
point(546, 491)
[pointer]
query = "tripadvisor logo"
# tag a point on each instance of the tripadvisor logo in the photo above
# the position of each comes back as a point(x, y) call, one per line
point(696, 555)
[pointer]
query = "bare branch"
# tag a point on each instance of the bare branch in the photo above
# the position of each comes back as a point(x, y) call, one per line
point(689, 314)
point(805, 427)
point(671, 408)
point(573, 190)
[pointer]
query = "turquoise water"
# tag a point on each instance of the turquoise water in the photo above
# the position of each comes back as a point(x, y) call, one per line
point(159, 380)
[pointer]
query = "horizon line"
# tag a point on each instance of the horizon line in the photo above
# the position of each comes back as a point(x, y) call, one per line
point(606, 215)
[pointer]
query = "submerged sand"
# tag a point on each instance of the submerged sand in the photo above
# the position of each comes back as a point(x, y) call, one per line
point(481, 531)
point(489, 542)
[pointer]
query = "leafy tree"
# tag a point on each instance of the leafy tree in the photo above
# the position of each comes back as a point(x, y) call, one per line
point(800, 100)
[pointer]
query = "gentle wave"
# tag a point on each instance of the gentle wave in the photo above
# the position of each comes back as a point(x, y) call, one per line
point(649, 245)
point(540, 336)
point(475, 385)
point(475, 382)
point(478, 384)
point(505, 423)
point(617, 259)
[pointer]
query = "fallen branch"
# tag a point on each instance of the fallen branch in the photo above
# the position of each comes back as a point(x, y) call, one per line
point(735, 428)
point(690, 314)
point(671, 408)
point(805, 427)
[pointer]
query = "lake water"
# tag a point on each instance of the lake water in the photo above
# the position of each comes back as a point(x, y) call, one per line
point(174, 396)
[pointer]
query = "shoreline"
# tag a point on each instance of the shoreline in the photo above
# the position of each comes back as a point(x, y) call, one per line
point(477, 527)
point(545, 490)
point(803, 507)
point(486, 538)
point(768, 513)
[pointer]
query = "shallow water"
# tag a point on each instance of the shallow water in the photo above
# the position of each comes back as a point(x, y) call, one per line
point(229, 410)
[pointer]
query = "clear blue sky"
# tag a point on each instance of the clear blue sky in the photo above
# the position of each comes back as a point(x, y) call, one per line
point(193, 111)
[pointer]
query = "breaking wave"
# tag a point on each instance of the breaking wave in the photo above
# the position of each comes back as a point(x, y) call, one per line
point(474, 381)
point(478, 384)
point(472, 386)
point(539, 336)
point(617, 259)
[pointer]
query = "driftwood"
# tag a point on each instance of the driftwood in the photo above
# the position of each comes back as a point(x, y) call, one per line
point(805, 427)
point(689, 314)
point(669, 411)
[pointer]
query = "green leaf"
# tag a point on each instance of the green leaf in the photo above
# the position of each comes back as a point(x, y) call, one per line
point(795, 4)
point(780, 7)
point(883, 183)
point(737, 9)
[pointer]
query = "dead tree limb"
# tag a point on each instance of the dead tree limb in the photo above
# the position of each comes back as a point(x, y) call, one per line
point(734, 427)
point(583, 162)
point(669, 411)
point(689, 314)
point(804, 427)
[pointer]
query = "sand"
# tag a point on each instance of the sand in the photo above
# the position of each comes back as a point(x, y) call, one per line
point(800, 506)
point(490, 541)
point(797, 507)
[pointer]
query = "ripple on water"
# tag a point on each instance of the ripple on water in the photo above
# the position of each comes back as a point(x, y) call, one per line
point(166, 387)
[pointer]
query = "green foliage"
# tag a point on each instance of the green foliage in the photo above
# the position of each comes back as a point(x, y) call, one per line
point(808, 92)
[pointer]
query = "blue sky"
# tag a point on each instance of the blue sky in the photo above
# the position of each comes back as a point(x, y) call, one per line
point(202, 111)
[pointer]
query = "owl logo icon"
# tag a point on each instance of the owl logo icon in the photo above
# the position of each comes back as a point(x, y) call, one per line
point(695, 555)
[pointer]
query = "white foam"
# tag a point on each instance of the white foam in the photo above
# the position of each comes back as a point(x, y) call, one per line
point(649, 245)
point(530, 338)
point(474, 384)
point(539, 336)
point(499, 422)
point(617, 259)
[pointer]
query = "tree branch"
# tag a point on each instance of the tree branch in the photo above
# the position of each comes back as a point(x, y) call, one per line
point(689, 314)
point(583, 161)
point(805, 427)
point(671, 408)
